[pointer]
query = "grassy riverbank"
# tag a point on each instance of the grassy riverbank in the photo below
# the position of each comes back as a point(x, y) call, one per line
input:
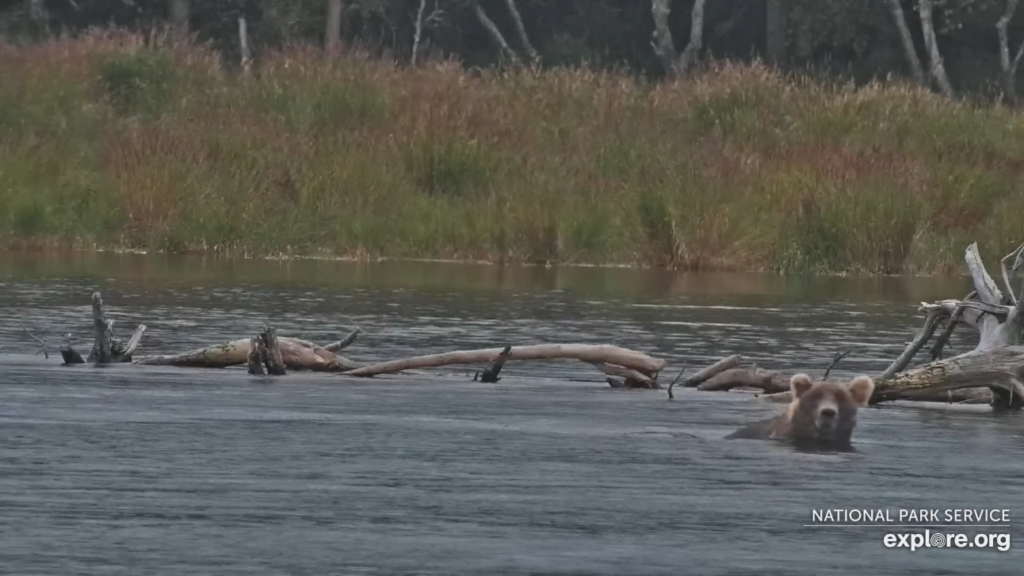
point(105, 142)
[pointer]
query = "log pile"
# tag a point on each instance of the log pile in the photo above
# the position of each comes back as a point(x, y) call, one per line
point(993, 372)
point(267, 353)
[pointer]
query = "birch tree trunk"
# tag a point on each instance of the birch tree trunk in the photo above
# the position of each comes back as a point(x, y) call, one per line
point(935, 65)
point(909, 50)
point(1008, 68)
point(418, 35)
point(663, 44)
point(524, 38)
point(494, 33)
point(243, 45)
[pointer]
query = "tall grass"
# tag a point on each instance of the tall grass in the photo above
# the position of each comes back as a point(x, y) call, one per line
point(108, 140)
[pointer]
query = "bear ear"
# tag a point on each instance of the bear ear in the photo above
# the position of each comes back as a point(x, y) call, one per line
point(861, 389)
point(800, 384)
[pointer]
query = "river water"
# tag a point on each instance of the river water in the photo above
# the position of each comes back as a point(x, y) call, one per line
point(132, 470)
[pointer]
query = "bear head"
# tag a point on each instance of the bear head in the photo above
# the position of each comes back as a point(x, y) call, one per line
point(826, 412)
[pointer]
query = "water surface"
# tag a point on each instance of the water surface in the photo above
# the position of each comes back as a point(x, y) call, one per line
point(131, 470)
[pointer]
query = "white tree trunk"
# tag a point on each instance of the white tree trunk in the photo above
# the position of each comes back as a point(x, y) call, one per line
point(419, 32)
point(909, 50)
point(524, 38)
point(1008, 67)
point(494, 33)
point(663, 44)
point(935, 65)
point(243, 45)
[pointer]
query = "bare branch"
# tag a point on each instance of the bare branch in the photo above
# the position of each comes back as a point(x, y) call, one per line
point(490, 374)
point(913, 348)
point(838, 357)
point(676, 381)
point(44, 345)
point(344, 342)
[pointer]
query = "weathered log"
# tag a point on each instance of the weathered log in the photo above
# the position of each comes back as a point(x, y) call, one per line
point(767, 380)
point(605, 353)
point(1000, 369)
point(630, 378)
point(490, 374)
point(993, 330)
point(295, 353)
point(705, 374)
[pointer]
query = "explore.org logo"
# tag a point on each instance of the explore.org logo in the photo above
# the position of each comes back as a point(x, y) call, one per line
point(950, 528)
point(928, 539)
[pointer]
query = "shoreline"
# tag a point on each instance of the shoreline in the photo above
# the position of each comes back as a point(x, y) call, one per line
point(497, 263)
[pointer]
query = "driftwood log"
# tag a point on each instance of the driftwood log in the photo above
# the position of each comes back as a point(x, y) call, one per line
point(269, 353)
point(992, 372)
point(295, 354)
point(638, 369)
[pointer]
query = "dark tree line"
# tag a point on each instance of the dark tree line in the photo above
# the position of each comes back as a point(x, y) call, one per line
point(954, 46)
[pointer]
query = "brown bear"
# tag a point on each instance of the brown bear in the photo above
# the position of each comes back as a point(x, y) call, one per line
point(821, 415)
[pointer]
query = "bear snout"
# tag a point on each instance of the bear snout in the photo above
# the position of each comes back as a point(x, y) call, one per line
point(827, 420)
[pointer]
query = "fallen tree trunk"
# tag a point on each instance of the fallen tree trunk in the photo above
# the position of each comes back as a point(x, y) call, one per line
point(296, 354)
point(766, 380)
point(999, 369)
point(592, 353)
